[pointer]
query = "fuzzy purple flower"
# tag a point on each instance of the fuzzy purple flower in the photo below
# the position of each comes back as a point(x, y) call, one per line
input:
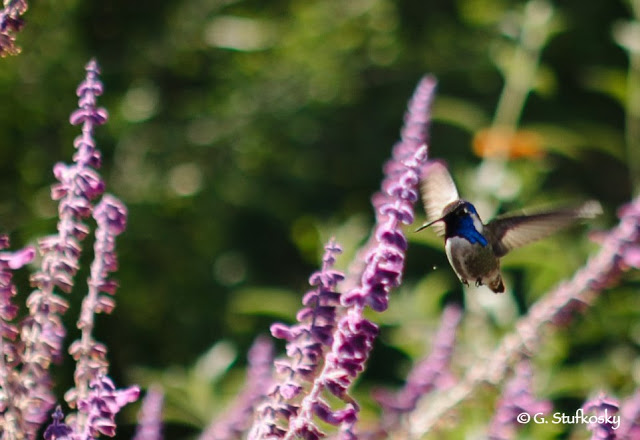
point(431, 373)
point(99, 408)
point(150, 416)
point(414, 134)
point(9, 357)
point(384, 262)
point(237, 419)
point(42, 333)
point(517, 398)
point(8, 331)
point(91, 361)
point(58, 430)
point(11, 23)
point(354, 337)
point(307, 342)
point(604, 408)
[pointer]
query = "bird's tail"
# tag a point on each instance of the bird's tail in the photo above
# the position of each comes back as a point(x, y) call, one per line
point(496, 284)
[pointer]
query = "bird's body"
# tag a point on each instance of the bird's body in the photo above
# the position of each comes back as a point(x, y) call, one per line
point(473, 248)
point(474, 262)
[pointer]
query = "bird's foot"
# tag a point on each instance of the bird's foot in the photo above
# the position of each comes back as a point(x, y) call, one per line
point(479, 282)
point(465, 282)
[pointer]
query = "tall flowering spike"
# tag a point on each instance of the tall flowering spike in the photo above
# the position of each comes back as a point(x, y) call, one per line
point(384, 264)
point(99, 408)
point(11, 23)
point(150, 416)
point(517, 398)
point(415, 132)
point(604, 408)
point(232, 423)
point(9, 261)
point(42, 332)
point(91, 356)
point(307, 341)
point(431, 373)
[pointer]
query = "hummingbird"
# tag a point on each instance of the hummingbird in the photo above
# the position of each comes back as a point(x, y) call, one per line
point(473, 248)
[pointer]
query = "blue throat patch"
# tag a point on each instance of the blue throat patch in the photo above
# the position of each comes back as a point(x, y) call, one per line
point(465, 229)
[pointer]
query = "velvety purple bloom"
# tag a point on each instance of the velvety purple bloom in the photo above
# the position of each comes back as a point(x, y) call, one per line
point(384, 261)
point(14, 260)
point(517, 398)
point(384, 264)
point(431, 373)
point(58, 430)
point(307, 342)
point(150, 416)
point(604, 408)
point(11, 23)
point(237, 419)
point(42, 332)
point(9, 356)
point(91, 356)
point(97, 411)
point(8, 331)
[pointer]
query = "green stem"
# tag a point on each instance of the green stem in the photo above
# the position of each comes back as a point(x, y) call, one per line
point(520, 75)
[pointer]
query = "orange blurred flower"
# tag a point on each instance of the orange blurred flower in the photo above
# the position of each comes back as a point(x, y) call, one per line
point(507, 143)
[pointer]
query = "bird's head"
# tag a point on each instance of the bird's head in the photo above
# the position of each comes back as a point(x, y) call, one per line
point(457, 214)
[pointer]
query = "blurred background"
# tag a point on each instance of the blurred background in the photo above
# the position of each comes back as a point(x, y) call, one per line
point(243, 134)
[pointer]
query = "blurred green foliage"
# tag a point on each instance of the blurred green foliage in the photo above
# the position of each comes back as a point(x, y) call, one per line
point(242, 134)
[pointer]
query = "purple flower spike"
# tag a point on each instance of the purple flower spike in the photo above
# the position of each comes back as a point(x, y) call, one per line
point(416, 121)
point(517, 398)
point(394, 206)
point(42, 332)
point(9, 261)
point(384, 264)
point(90, 355)
point(88, 91)
point(9, 357)
point(307, 342)
point(237, 419)
point(58, 430)
point(431, 373)
point(15, 260)
point(150, 416)
point(603, 428)
point(10, 23)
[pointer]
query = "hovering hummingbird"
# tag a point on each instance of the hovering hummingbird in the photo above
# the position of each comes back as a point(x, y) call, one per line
point(474, 249)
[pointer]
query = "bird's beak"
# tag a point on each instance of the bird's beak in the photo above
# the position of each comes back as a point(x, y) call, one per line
point(426, 225)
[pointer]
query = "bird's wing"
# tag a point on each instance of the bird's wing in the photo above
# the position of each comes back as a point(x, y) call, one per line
point(438, 190)
point(511, 231)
